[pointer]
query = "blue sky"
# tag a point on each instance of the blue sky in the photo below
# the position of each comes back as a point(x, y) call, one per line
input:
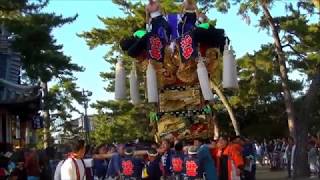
point(245, 38)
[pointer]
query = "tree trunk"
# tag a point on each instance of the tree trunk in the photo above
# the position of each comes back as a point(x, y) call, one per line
point(226, 103)
point(46, 115)
point(306, 109)
point(297, 129)
point(283, 72)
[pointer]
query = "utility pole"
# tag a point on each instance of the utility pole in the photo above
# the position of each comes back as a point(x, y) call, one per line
point(86, 123)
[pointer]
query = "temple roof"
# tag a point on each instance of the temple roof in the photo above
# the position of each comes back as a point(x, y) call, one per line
point(11, 93)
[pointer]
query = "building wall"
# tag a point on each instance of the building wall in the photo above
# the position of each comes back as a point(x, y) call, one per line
point(79, 122)
point(5, 130)
point(1, 130)
point(14, 135)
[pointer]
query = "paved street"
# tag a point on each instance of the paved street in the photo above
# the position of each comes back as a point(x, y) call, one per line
point(263, 173)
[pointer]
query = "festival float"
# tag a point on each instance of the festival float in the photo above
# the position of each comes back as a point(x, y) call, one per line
point(178, 70)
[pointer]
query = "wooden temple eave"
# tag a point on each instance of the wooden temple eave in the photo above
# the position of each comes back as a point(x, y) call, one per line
point(15, 96)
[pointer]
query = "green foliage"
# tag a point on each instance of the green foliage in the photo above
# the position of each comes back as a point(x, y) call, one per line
point(120, 122)
point(13, 9)
point(301, 40)
point(260, 90)
point(61, 98)
point(39, 135)
point(258, 101)
point(46, 60)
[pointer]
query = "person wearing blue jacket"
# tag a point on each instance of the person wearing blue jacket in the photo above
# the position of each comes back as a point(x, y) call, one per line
point(153, 167)
point(192, 165)
point(101, 165)
point(249, 153)
point(114, 167)
point(166, 158)
point(177, 160)
point(206, 160)
point(131, 167)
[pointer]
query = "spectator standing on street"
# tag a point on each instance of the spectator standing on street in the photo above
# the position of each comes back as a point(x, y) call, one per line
point(259, 153)
point(19, 173)
point(283, 150)
point(270, 148)
point(313, 158)
point(32, 165)
point(249, 155)
point(289, 154)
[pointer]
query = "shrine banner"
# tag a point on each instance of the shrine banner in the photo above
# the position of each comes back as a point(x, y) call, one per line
point(37, 122)
point(155, 48)
point(187, 47)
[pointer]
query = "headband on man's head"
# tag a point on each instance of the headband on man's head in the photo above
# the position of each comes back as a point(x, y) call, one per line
point(152, 152)
point(193, 150)
point(128, 151)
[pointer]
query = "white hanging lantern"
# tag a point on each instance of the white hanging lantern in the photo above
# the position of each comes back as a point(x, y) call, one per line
point(27, 134)
point(18, 128)
point(152, 86)
point(229, 77)
point(204, 81)
point(120, 84)
point(134, 87)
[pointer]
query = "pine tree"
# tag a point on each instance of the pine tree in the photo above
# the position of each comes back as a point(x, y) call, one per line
point(42, 58)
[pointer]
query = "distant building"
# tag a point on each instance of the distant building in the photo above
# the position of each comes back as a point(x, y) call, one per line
point(19, 104)
point(81, 122)
point(73, 127)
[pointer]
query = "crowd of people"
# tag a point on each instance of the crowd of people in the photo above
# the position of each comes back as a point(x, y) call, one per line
point(168, 160)
point(279, 154)
point(222, 159)
point(31, 164)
